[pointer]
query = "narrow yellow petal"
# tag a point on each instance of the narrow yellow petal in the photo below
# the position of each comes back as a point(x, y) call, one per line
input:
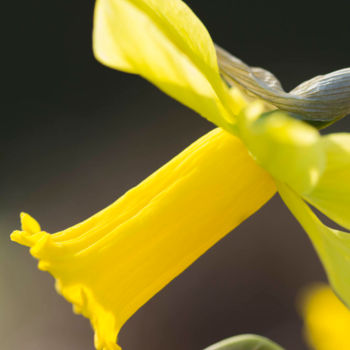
point(332, 193)
point(110, 265)
point(327, 320)
point(164, 42)
point(332, 246)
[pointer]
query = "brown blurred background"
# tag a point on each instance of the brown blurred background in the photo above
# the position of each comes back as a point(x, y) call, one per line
point(76, 135)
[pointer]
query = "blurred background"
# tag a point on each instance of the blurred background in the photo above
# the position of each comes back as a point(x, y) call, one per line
point(76, 135)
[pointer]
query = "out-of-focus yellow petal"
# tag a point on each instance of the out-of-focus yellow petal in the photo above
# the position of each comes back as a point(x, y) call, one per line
point(164, 42)
point(332, 246)
point(289, 149)
point(332, 193)
point(111, 264)
point(327, 320)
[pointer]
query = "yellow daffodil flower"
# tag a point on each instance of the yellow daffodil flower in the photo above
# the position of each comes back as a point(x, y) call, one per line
point(327, 320)
point(111, 264)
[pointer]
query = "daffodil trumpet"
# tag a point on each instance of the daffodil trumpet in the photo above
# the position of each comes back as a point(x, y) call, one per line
point(111, 264)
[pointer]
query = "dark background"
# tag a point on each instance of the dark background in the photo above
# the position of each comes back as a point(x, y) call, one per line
point(76, 135)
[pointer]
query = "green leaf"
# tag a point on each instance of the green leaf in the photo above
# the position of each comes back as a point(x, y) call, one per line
point(245, 342)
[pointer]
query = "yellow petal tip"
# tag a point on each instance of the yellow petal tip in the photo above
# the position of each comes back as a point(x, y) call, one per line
point(29, 224)
point(16, 236)
point(30, 233)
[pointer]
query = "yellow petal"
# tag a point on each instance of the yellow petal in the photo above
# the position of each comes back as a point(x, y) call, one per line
point(332, 193)
point(332, 246)
point(109, 265)
point(288, 148)
point(164, 42)
point(327, 320)
point(29, 224)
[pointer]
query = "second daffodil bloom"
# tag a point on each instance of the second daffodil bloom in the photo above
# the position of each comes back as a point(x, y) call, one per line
point(111, 264)
point(326, 319)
